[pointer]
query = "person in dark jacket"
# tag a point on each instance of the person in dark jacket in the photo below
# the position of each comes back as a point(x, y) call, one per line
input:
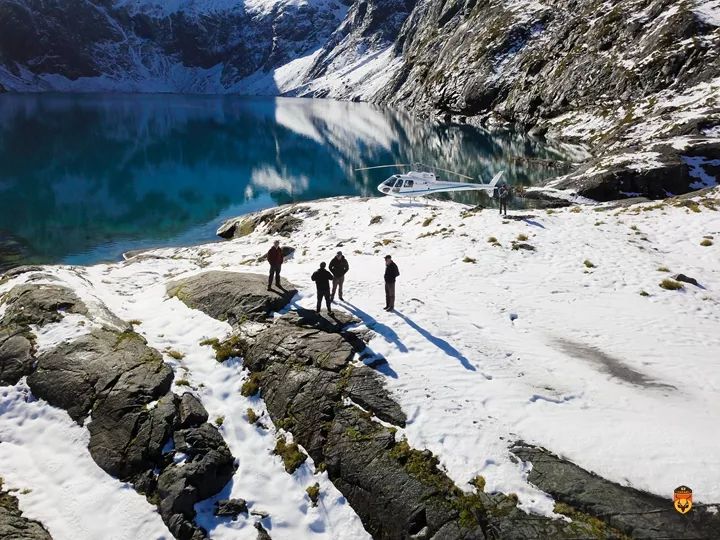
point(503, 196)
point(275, 259)
point(391, 274)
point(339, 267)
point(322, 279)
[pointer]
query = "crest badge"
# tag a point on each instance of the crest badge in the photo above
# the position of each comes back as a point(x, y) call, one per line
point(682, 499)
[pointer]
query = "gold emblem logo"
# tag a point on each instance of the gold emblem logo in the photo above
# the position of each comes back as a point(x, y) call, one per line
point(682, 499)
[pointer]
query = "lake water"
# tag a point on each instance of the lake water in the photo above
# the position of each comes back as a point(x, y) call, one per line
point(84, 178)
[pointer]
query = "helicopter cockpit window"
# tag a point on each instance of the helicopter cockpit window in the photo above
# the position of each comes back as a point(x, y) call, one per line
point(398, 182)
point(408, 183)
point(390, 182)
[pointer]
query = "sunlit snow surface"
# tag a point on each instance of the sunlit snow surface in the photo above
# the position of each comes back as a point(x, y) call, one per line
point(519, 345)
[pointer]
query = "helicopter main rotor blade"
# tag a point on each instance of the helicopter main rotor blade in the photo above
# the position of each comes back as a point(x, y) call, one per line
point(451, 172)
point(384, 166)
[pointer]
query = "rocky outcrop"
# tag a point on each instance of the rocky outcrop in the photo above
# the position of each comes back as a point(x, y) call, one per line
point(209, 466)
point(312, 387)
point(231, 296)
point(40, 304)
point(125, 384)
point(635, 513)
point(15, 526)
point(656, 171)
point(277, 221)
point(17, 354)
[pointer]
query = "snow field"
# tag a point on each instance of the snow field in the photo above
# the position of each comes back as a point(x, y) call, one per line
point(489, 345)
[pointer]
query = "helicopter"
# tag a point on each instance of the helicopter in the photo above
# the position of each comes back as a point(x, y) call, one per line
point(422, 180)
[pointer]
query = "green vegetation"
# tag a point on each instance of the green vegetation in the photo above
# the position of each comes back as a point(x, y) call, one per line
point(492, 240)
point(182, 382)
point(428, 221)
point(252, 415)
point(706, 242)
point(314, 493)
point(177, 355)
point(644, 293)
point(290, 454)
point(576, 209)
point(478, 482)
point(587, 525)
point(135, 322)
point(219, 421)
point(663, 269)
point(671, 285)
point(251, 386)
point(588, 264)
point(375, 219)
point(230, 348)
point(469, 260)
point(522, 237)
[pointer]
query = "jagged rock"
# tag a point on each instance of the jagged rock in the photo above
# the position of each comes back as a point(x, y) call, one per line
point(231, 296)
point(17, 351)
point(116, 375)
point(391, 502)
point(40, 304)
point(15, 526)
point(191, 412)
point(262, 533)
point(208, 468)
point(366, 388)
point(686, 279)
point(230, 508)
point(277, 221)
point(635, 513)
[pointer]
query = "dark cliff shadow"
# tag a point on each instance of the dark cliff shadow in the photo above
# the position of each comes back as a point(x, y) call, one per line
point(441, 344)
point(608, 364)
point(382, 329)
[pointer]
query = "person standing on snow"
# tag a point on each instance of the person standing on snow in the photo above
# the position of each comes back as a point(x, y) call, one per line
point(339, 267)
point(322, 279)
point(503, 196)
point(391, 274)
point(275, 258)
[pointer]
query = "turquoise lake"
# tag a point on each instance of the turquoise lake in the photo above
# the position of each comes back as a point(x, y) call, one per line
point(84, 178)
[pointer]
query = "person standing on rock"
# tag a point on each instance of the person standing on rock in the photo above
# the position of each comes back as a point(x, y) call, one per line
point(339, 267)
point(275, 259)
point(322, 279)
point(391, 274)
point(503, 196)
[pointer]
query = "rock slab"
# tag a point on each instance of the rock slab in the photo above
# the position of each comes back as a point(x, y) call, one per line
point(232, 296)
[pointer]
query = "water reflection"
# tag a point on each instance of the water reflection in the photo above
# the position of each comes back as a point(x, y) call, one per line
point(84, 178)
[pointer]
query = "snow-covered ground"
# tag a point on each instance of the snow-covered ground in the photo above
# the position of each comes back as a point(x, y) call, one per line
point(489, 345)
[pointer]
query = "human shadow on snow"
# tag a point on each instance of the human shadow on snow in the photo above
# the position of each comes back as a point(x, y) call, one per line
point(441, 344)
point(373, 324)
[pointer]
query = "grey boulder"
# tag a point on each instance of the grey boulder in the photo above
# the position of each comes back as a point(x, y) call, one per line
point(232, 296)
point(17, 351)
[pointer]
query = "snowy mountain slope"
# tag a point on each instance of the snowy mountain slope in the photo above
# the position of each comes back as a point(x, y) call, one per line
point(573, 346)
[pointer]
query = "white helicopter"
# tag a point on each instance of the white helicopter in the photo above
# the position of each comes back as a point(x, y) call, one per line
point(419, 182)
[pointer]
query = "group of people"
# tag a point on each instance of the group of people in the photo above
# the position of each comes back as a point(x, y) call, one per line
point(332, 273)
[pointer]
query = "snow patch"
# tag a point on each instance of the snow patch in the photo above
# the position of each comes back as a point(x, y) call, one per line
point(44, 455)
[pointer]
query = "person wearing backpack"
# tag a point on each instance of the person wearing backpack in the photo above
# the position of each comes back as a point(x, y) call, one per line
point(391, 274)
point(339, 267)
point(322, 279)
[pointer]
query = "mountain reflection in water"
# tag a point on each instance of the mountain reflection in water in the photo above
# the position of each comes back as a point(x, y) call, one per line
point(84, 178)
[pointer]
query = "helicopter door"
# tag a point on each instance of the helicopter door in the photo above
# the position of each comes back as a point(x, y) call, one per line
point(398, 185)
point(408, 184)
